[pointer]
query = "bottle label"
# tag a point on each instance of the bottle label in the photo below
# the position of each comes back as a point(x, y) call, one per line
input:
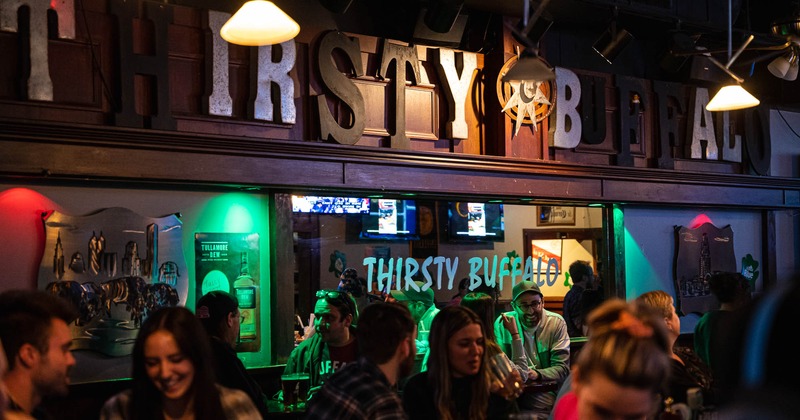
point(247, 307)
point(246, 297)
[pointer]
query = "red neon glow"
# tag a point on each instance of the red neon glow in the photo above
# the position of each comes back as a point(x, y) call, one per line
point(22, 230)
point(699, 220)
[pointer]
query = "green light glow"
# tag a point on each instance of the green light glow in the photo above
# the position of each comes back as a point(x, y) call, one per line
point(235, 212)
point(238, 218)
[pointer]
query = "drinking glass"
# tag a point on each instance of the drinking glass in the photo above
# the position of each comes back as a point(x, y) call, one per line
point(501, 368)
point(295, 389)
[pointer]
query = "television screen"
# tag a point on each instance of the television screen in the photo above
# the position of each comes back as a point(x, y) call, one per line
point(475, 222)
point(334, 205)
point(390, 219)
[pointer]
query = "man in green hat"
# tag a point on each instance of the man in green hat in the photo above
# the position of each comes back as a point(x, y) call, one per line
point(544, 341)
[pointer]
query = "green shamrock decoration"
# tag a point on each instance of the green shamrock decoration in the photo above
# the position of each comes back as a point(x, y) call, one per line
point(750, 270)
point(338, 263)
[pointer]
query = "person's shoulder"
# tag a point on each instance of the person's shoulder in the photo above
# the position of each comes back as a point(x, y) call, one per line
point(117, 406)
point(550, 315)
point(417, 379)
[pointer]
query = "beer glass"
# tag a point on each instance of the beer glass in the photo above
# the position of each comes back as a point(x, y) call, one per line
point(295, 390)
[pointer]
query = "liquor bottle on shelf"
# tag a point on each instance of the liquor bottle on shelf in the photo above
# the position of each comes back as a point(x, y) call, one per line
point(246, 291)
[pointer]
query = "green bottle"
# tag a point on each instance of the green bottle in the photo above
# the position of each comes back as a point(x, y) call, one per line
point(246, 292)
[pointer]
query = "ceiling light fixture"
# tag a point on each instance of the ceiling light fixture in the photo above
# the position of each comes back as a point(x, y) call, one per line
point(259, 22)
point(733, 96)
point(529, 66)
point(613, 40)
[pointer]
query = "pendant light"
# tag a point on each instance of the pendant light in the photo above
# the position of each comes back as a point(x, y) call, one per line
point(259, 22)
point(732, 96)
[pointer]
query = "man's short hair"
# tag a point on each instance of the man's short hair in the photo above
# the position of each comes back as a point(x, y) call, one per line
point(578, 269)
point(341, 301)
point(382, 327)
point(214, 307)
point(26, 318)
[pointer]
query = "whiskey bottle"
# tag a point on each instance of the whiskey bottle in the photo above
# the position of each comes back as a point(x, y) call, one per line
point(246, 292)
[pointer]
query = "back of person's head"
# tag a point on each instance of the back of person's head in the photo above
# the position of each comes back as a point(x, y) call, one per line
point(350, 283)
point(769, 349)
point(463, 287)
point(483, 306)
point(729, 287)
point(578, 269)
point(340, 300)
point(193, 343)
point(659, 300)
point(382, 328)
point(213, 310)
point(769, 384)
point(445, 324)
point(26, 318)
point(627, 344)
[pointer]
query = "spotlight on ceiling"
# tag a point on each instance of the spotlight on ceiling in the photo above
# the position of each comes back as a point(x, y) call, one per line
point(442, 14)
point(785, 66)
point(612, 41)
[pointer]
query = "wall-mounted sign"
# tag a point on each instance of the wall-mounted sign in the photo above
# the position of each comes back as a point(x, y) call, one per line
point(230, 262)
point(701, 251)
point(117, 267)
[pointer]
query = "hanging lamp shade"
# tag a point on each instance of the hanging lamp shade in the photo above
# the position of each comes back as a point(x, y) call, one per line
point(259, 22)
point(529, 67)
point(731, 98)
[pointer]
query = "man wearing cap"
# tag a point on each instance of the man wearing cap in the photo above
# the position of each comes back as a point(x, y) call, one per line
point(420, 303)
point(544, 338)
point(218, 311)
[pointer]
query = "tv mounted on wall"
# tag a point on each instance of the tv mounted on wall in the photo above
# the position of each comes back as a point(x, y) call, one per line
point(329, 205)
point(475, 222)
point(389, 220)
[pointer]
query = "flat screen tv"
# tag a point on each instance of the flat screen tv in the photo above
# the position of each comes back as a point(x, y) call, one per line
point(390, 220)
point(330, 205)
point(475, 222)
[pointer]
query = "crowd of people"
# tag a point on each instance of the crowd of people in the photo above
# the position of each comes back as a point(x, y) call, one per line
point(363, 362)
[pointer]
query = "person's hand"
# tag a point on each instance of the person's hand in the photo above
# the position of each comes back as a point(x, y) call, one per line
point(510, 324)
point(309, 329)
point(510, 388)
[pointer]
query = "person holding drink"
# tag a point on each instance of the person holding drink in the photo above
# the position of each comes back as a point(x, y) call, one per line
point(172, 376)
point(332, 346)
point(458, 383)
point(545, 342)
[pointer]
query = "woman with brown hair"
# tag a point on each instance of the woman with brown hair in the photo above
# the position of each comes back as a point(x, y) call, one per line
point(457, 384)
point(173, 377)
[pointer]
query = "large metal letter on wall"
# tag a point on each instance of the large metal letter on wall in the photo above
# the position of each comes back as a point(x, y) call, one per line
point(40, 86)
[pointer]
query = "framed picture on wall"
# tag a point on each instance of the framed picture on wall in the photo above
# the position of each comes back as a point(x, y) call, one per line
point(555, 216)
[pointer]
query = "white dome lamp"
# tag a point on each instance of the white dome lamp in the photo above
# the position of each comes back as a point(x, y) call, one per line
point(259, 22)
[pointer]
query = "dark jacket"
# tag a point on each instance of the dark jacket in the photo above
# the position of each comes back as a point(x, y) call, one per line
point(231, 373)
